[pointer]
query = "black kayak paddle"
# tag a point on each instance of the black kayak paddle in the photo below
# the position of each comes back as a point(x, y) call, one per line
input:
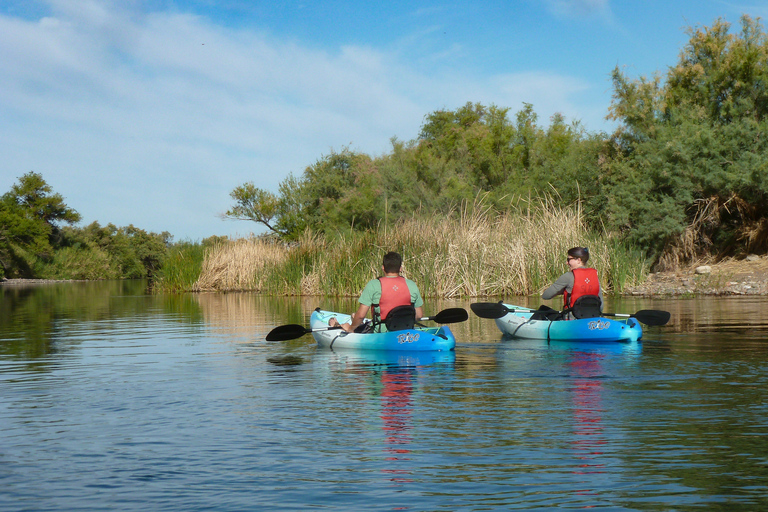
point(493, 309)
point(652, 317)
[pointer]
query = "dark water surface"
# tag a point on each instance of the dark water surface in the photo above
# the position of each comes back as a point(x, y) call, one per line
point(111, 398)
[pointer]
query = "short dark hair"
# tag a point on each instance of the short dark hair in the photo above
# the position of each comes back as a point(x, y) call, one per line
point(579, 252)
point(392, 262)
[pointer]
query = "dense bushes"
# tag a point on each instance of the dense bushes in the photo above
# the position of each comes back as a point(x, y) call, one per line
point(684, 177)
point(690, 175)
point(34, 244)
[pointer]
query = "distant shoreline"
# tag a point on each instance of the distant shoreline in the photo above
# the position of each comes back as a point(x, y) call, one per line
point(727, 278)
point(26, 282)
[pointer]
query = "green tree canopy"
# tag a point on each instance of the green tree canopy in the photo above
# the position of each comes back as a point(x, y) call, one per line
point(691, 172)
point(30, 214)
point(37, 199)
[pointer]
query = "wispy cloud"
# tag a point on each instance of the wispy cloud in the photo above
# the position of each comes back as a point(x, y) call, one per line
point(579, 8)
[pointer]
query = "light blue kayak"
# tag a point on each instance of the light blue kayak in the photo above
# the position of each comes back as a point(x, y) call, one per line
point(417, 339)
point(518, 324)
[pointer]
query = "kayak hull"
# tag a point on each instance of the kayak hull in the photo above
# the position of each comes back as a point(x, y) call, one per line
point(419, 339)
point(519, 325)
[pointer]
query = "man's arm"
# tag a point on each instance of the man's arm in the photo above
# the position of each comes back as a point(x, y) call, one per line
point(357, 318)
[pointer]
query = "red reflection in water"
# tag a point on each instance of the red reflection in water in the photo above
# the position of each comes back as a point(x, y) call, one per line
point(396, 413)
point(588, 409)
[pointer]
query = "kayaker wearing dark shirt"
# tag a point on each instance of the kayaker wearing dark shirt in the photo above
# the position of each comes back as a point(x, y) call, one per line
point(584, 278)
point(388, 291)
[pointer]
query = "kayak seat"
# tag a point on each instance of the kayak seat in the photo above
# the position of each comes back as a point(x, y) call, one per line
point(400, 318)
point(546, 313)
point(586, 306)
point(365, 327)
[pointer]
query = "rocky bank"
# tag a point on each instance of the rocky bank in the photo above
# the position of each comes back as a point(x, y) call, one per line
point(748, 276)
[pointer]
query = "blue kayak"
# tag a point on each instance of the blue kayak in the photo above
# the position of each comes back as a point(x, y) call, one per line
point(417, 339)
point(518, 324)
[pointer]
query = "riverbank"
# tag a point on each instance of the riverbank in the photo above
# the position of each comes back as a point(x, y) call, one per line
point(30, 282)
point(729, 277)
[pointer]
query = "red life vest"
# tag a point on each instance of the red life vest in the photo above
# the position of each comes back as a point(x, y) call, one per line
point(394, 292)
point(584, 283)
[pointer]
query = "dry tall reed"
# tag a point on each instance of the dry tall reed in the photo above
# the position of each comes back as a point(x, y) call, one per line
point(473, 254)
point(238, 265)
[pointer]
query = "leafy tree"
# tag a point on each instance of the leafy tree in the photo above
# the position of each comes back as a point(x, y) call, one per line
point(340, 189)
point(30, 214)
point(253, 203)
point(121, 252)
point(693, 154)
point(20, 233)
point(35, 196)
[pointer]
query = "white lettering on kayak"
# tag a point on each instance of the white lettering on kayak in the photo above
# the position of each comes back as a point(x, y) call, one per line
point(408, 337)
point(598, 325)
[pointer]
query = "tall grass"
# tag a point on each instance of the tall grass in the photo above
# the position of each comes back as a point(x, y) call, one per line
point(238, 265)
point(476, 253)
point(180, 268)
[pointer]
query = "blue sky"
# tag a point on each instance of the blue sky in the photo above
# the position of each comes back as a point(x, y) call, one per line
point(150, 112)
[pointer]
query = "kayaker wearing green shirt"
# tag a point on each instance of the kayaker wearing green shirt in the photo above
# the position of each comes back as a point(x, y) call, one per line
point(579, 281)
point(385, 293)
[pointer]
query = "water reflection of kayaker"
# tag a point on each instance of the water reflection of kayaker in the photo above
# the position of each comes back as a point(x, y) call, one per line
point(396, 410)
point(587, 408)
point(384, 294)
point(580, 281)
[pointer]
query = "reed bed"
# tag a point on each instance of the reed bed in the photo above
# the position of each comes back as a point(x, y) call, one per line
point(474, 254)
point(180, 268)
point(238, 265)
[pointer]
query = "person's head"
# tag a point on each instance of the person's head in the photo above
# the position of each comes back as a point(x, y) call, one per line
point(392, 262)
point(577, 256)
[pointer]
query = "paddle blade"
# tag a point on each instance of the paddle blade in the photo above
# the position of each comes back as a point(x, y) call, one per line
point(287, 332)
point(653, 317)
point(489, 309)
point(451, 316)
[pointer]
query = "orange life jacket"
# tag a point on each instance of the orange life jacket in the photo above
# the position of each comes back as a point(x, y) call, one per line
point(584, 283)
point(394, 292)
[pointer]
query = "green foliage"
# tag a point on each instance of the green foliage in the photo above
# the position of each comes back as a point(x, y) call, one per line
point(458, 155)
point(35, 197)
point(126, 252)
point(181, 266)
point(29, 218)
point(693, 156)
point(20, 233)
point(80, 263)
point(34, 245)
point(252, 203)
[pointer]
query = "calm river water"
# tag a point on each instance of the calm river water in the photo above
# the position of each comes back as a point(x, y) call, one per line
point(115, 399)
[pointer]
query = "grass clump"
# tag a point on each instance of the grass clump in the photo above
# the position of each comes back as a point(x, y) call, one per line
point(181, 268)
